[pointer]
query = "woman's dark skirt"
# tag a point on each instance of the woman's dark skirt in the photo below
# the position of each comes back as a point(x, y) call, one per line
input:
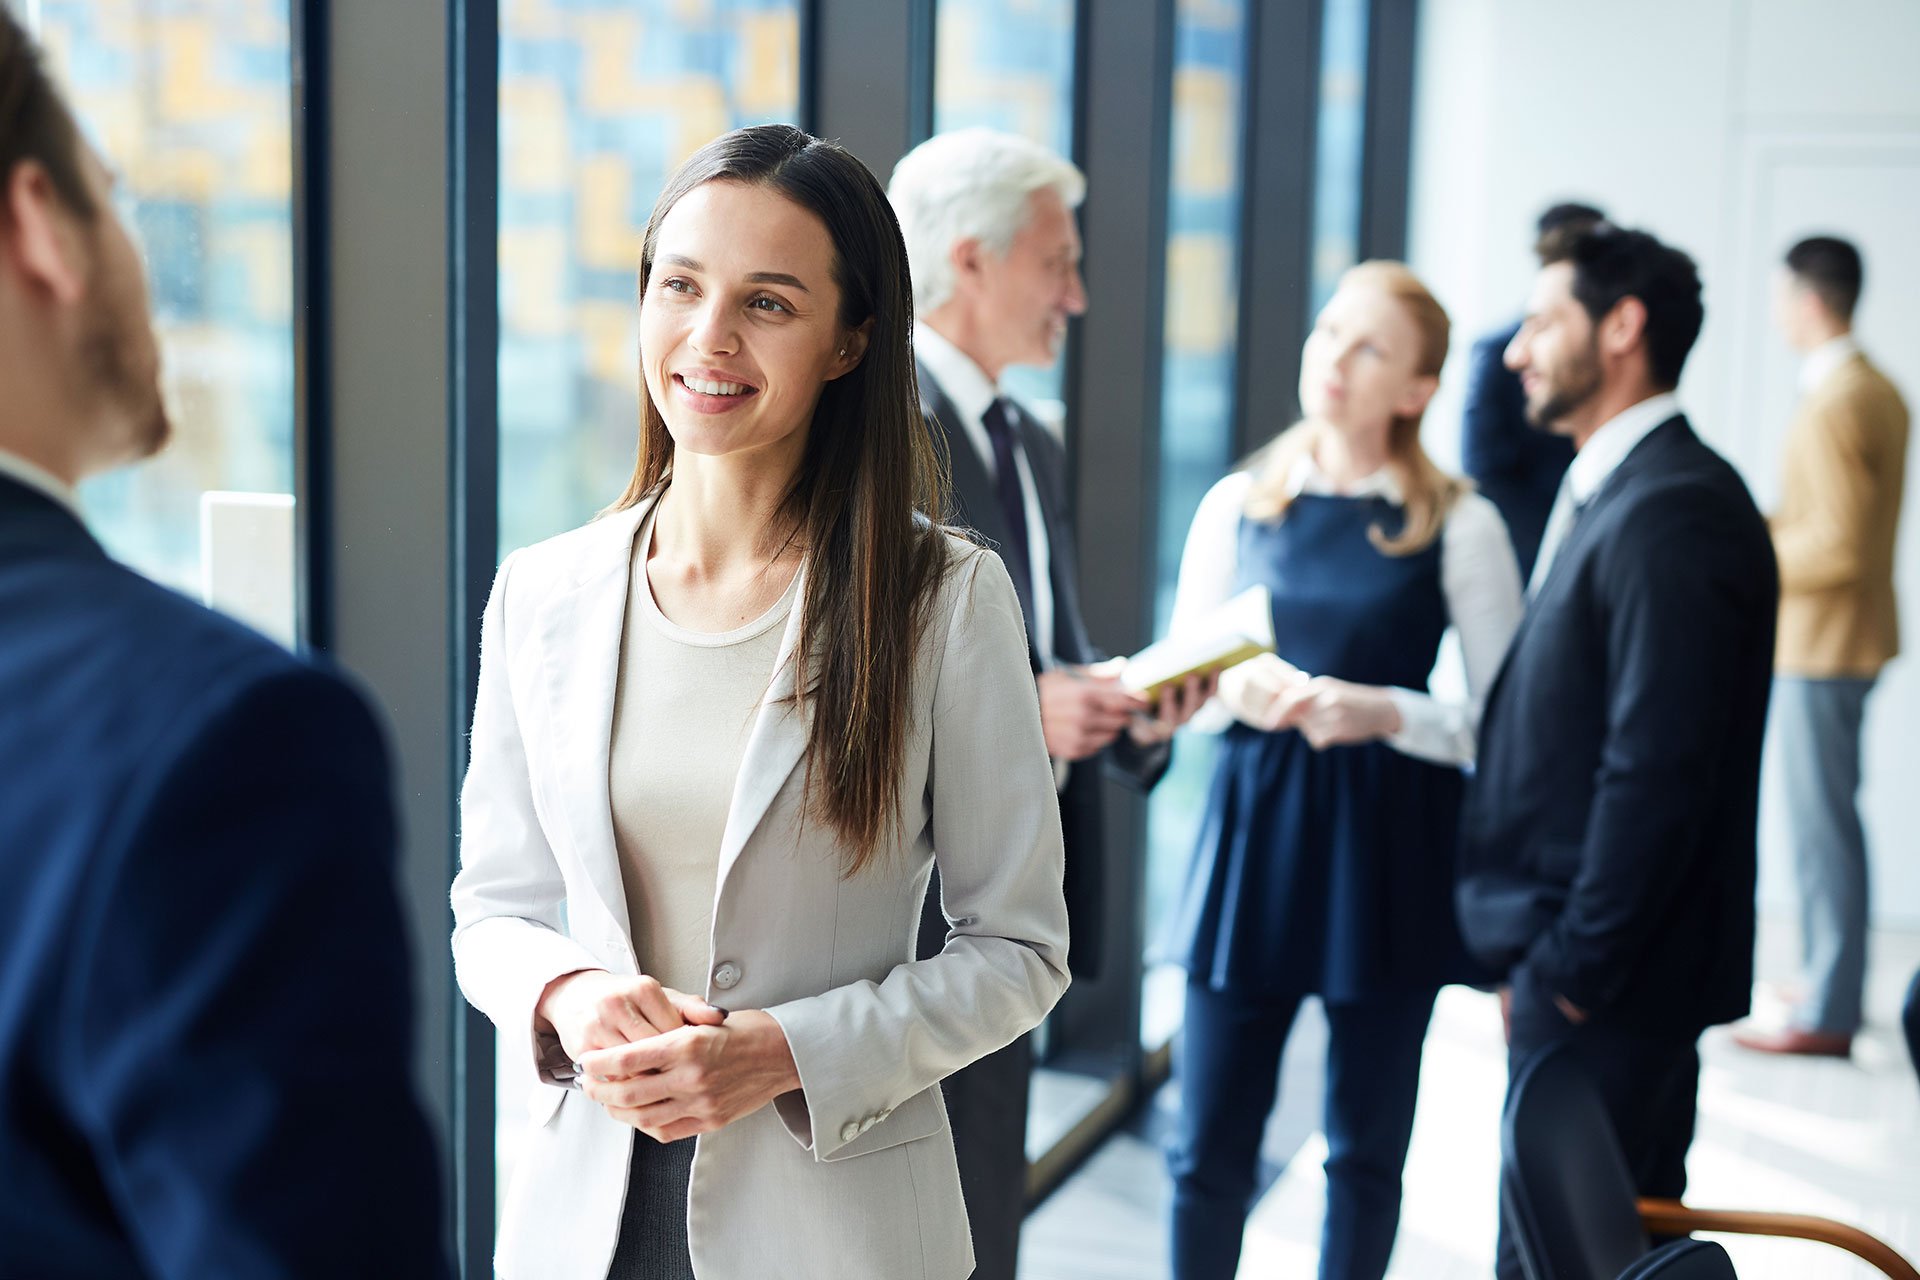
point(653, 1224)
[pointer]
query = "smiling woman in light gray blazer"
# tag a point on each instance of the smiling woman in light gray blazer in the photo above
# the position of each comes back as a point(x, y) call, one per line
point(724, 733)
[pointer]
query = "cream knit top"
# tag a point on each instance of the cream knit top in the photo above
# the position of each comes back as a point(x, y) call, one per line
point(684, 710)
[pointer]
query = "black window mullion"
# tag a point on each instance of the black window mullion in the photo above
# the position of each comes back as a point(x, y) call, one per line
point(1387, 165)
point(473, 159)
point(1276, 236)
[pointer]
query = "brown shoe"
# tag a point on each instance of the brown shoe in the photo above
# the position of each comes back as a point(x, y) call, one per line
point(1816, 1044)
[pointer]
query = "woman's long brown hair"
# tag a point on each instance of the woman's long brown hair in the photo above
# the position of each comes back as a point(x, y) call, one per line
point(868, 499)
point(1428, 491)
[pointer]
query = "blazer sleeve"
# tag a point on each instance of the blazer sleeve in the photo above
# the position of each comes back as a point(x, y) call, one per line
point(1681, 596)
point(1209, 570)
point(240, 1052)
point(509, 934)
point(864, 1048)
point(1485, 600)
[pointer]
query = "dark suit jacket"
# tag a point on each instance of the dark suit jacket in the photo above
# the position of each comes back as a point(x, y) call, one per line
point(1516, 464)
point(1608, 839)
point(205, 1015)
point(1080, 814)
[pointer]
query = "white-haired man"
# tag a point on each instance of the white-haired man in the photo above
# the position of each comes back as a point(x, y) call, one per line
point(995, 252)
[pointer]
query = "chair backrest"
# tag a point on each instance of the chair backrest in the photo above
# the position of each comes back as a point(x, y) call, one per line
point(1564, 1183)
point(1683, 1260)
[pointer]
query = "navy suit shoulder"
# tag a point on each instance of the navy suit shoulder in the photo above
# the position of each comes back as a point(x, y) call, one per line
point(205, 1015)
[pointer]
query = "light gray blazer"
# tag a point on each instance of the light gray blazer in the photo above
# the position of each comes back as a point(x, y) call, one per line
point(853, 1176)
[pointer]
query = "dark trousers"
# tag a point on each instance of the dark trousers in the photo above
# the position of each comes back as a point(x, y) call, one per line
point(1649, 1084)
point(653, 1221)
point(987, 1108)
point(1228, 1063)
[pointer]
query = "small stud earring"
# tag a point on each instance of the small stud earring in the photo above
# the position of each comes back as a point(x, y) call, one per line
point(843, 351)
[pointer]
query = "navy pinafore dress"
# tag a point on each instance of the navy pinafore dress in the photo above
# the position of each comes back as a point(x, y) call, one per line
point(1330, 872)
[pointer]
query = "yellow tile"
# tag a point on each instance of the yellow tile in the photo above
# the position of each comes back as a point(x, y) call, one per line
point(608, 236)
point(1200, 294)
point(533, 274)
point(539, 151)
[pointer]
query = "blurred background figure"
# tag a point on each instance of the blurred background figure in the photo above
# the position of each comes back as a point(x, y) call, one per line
point(1842, 477)
point(1608, 848)
point(1325, 861)
point(206, 1008)
point(995, 249)
point(1515, 463)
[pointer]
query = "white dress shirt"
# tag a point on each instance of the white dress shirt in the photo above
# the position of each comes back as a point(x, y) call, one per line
point(1478, 575)
point(39, 479)
point(1592, 467)
point(972, 394)
point(1824, 360)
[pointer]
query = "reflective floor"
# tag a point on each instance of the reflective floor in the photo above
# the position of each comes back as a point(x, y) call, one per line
point(1841, 1139)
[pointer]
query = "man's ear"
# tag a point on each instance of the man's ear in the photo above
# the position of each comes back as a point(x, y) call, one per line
point(965, 256)
point(1624, 326)
point(38, 235)
point(852, 349)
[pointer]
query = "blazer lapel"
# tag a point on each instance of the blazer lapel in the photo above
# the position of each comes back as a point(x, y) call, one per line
point(979, 506)
point(1069, 642)
point(1577, 538)
point(774, 747)
point(972, 489)
point(580, 633)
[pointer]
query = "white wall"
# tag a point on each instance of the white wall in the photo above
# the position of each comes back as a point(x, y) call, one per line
point(1730, 128)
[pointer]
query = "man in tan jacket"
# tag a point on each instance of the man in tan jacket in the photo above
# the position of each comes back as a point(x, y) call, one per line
point(1846, 458)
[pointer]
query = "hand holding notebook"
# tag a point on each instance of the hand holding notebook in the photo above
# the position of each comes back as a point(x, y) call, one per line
point(1225, 637)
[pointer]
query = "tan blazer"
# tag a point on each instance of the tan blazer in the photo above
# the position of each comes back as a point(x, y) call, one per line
point(1846, 463)
point(853, 1175)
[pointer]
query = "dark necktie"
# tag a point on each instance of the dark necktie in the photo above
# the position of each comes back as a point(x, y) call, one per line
point(998, 420)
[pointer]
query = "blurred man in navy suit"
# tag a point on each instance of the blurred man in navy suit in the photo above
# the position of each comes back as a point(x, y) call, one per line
point(1516, 464)
point(1607, 846)
point(205, 1018)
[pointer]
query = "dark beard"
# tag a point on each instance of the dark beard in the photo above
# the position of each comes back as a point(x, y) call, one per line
point(1579, 384)
point(112, 364)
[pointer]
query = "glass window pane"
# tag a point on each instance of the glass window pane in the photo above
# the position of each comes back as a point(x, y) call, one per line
point(600, 100)
point(1196, 442)
point(190, 101)
point(1008, 65)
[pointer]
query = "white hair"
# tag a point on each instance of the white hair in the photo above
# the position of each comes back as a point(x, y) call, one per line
point(970, 184)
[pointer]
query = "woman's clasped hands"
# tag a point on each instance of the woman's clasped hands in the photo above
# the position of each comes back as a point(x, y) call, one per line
point(1271, 693)
point(667, 1063)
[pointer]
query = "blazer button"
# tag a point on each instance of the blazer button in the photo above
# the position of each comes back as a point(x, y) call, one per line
point(849, 1131)
point(726, 976)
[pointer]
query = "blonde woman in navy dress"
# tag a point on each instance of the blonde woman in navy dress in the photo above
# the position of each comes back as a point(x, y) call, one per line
point(1325, 861)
